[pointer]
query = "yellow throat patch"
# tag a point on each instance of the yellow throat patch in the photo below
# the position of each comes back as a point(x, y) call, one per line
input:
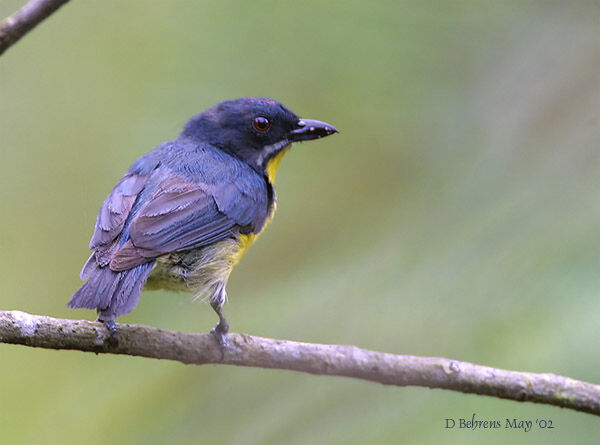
point(273, 164)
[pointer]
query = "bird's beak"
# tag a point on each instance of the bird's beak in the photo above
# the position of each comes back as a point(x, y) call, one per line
point(307, 129)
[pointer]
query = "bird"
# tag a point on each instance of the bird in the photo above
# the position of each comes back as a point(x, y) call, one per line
point(184, 214)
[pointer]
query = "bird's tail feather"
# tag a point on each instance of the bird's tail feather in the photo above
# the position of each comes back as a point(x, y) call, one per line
point(112, 293)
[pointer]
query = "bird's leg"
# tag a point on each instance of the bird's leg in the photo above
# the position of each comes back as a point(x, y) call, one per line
point(222, 328)
point(113, 335)
point(218, 299)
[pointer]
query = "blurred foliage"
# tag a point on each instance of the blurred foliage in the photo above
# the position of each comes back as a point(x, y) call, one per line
point(456, 214)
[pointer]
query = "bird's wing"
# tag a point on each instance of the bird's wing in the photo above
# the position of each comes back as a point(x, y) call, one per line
point(117, 206)
point(183, 214)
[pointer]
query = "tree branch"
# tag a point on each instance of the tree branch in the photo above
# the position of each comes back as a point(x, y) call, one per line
point(349, 361)
point(25, 19)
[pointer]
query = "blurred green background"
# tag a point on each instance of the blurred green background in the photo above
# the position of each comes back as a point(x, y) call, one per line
point(456, 214)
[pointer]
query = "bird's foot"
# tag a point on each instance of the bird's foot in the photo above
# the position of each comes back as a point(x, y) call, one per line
point(220, 332)
point(113, 335)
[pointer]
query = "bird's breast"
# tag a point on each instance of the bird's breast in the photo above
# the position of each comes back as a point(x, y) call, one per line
point(200, 270)
point(245, 241)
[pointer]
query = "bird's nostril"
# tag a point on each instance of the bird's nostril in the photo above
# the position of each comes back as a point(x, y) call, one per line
point(301, 124)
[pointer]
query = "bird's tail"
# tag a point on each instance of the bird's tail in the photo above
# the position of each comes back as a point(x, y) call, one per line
point(112, 293)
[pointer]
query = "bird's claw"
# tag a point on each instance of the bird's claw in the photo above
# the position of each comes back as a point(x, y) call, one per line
point(113, 335)
point(220, 333)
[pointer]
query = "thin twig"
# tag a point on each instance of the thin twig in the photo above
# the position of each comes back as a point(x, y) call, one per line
point(25, 19)
point(349, 361)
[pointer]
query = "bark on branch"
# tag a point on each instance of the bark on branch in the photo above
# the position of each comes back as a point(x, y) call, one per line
point(349, 361)
point(25, 19)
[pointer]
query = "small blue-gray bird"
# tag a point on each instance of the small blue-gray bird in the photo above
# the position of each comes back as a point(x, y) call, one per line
point(184, 214)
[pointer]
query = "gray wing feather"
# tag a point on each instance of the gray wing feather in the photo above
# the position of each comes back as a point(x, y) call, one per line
point(115, 210)
point(111, 221)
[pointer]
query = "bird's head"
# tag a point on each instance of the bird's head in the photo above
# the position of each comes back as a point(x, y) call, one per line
point(255, 129)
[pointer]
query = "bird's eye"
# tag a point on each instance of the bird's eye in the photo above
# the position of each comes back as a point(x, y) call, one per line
point(261, 123)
